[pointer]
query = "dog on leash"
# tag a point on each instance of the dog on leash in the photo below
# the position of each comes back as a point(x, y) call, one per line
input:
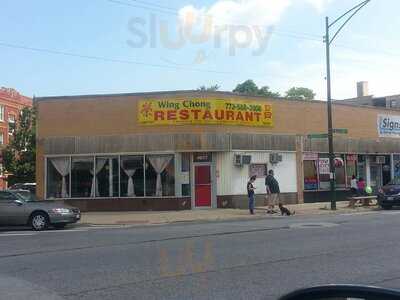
point(285, 211)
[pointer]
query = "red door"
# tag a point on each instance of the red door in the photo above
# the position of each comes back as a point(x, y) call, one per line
point(202, 185)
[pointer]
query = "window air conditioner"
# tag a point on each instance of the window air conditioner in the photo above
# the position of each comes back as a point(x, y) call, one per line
point(275, 158)
point(381, 160)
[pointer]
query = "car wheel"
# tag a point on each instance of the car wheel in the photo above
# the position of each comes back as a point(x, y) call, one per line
point(60, 225)
point(387, 207)
point(39, 221)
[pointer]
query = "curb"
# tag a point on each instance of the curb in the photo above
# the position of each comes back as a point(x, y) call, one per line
point(202, 221)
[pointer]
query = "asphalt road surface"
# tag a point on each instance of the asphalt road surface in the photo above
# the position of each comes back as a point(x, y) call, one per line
point(259, 259)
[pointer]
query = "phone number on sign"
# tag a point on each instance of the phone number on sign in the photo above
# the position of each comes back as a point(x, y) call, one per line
point(243, 107)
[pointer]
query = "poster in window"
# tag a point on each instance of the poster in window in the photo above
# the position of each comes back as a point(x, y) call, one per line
point(258, 170)
point(323, 166)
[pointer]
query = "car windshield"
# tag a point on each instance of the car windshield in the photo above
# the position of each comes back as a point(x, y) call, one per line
point(26, 195)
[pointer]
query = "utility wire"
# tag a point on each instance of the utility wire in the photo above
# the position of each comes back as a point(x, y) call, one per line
point(107, 59)
point(121, 61)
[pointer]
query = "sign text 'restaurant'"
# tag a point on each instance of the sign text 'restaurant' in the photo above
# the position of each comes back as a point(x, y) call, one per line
point(205, 112)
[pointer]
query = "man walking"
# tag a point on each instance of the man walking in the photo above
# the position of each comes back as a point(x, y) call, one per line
point(273, 191)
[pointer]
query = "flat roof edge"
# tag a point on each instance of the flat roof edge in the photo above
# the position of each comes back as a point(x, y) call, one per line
point(201, 93)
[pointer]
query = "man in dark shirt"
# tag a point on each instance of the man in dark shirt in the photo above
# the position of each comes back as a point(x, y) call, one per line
point(273, 191)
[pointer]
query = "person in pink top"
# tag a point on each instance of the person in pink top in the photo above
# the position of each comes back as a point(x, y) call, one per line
point(361, 186)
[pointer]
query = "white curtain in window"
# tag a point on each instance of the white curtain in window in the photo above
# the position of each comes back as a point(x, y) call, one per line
point(62, 166)
point(130, 171)
point(100, 162)
point(159, 164)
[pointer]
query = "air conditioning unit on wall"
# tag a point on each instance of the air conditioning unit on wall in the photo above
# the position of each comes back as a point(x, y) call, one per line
point(240, 160)
point(237, 160)
point(380, 160)
point(275, 158)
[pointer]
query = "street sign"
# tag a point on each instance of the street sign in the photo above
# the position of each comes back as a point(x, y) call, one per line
point(318, 136)
point(341, 131)
point(325, 135)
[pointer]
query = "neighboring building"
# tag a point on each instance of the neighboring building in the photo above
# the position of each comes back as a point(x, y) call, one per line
point(11, 103)
point(364, 98)
point(189, 149)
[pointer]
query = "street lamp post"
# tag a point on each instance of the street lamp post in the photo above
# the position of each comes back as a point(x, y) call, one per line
point(328, 41)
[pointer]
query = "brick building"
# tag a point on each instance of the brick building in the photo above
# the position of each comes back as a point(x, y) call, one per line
point(364, 98)
point(189, 149)
point(11, 103)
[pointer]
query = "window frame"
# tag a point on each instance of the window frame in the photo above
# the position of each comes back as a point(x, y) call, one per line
point(14, 121)
point(119, 155)
point(2, 112)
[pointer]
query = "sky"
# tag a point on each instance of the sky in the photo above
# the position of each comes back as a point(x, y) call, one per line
point(78, 47)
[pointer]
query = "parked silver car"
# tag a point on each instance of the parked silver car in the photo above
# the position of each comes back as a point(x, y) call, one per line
point(19, 207)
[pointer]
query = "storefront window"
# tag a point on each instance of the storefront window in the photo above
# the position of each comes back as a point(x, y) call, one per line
point(107, 177)
point(310, 175)
point(116, 176)
point(132, 176)
point(58, 177)
point(160, 175)
point(361, 167)
point(340, 172)
point(386, 170)
point(396, 165)
point(323, 169)
point(185, 171)
point(82, 177)
point(351, 168)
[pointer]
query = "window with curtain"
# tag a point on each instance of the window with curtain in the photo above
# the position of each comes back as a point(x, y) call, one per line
point(132, 176)
point(185, 174)
point(58, 172)
point(82, 177)
point(107, 169)
point(160, 175)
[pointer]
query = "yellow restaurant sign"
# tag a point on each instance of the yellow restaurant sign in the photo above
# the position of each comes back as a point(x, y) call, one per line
point(205, 112)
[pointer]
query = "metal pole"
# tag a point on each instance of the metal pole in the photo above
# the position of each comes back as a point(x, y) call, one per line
point(330, 127)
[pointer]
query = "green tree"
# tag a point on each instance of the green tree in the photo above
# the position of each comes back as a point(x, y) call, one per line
point(265, 91)
point(19, 156)
point(300, 93)
point(211, 88)
point(250, 88)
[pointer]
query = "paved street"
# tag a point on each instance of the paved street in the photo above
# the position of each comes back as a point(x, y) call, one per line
point(260, 259)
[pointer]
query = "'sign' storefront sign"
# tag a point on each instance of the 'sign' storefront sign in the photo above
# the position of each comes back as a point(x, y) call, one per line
point(389, 126)
point(205, 112)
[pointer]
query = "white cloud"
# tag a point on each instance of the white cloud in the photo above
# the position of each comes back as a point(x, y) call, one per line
point(221, 20)
point(260, 12)
point(319, 4)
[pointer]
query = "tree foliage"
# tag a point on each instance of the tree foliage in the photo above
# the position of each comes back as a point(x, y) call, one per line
point(250, 88)
point(211, 88)
point(19, 156)
point(300, 93)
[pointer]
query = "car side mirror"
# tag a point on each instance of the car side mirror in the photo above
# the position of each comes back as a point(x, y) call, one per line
point(343, 292)
point(18, 202)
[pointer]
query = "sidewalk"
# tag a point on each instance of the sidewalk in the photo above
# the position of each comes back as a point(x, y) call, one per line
point(166, 217)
